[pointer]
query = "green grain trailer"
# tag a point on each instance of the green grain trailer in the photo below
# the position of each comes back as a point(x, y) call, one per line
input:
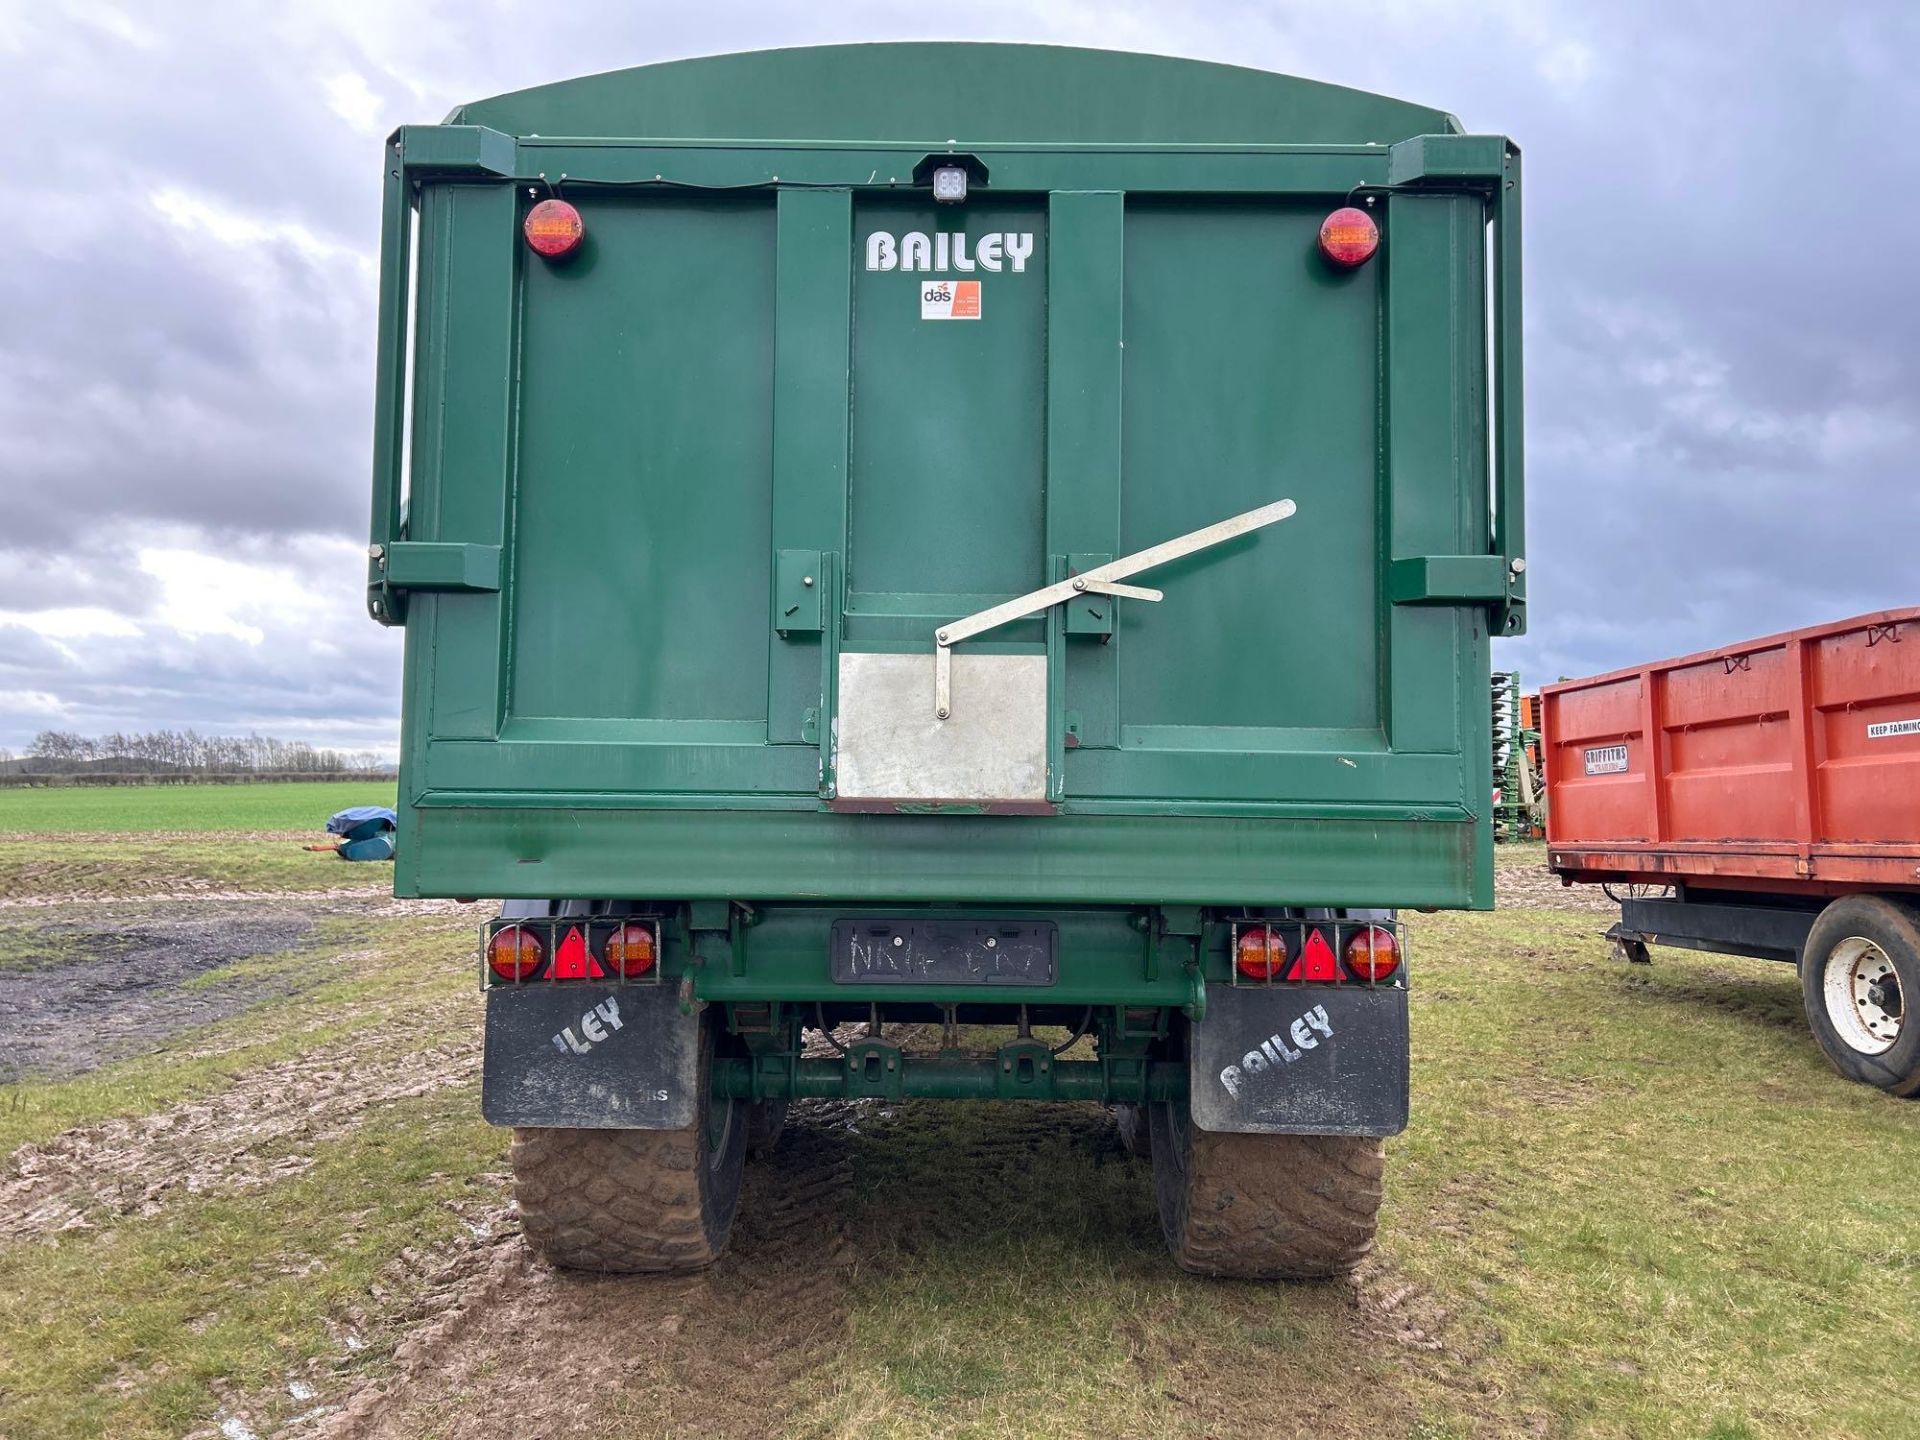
point(953, 535)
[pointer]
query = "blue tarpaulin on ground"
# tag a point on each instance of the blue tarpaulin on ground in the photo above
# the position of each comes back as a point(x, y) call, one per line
point(363, 822)
point(374, 847)
point(366, 832)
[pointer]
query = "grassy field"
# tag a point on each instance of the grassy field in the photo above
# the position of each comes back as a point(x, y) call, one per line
point(198, 861)
point(98, 841)
point(131, 808)
point(1634, 1202)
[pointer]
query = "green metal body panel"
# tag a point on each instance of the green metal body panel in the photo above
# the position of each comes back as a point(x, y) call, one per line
point(646, 498)
point(1010, 94)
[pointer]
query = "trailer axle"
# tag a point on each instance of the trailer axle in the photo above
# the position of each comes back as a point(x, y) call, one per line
point(1020, 1071)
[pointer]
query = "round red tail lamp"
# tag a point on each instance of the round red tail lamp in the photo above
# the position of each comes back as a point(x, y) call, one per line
point(1373, 954)
point(630, 952)
point(1348, 237)
point(514, 953)
point(1261, 954)
point(554, 229)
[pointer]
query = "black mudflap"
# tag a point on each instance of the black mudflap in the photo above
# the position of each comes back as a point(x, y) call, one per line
point(590, 1057)
point(1301, 1060)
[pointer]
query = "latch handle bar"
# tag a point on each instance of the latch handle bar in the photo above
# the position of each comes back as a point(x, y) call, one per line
point(1101, 580)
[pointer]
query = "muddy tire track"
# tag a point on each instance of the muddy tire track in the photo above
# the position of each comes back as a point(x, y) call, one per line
point(263, 1128)
point(80, 990)
point(567, 1354)
point(112, 990)
point(177, 892)
point(1529, 887)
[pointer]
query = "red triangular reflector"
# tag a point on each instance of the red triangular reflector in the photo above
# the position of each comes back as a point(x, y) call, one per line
point(1316, 960)
point(572, 962)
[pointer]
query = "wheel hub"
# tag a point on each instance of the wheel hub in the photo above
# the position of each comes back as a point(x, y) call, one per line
point(1862, 993)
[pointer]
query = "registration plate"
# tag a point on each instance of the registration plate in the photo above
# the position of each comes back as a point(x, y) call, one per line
point(945, 952)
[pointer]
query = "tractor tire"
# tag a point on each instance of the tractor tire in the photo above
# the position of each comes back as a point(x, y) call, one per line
point(1860, 981)
point(1264, 1207)
point(766, 1123)
point(625, 1202)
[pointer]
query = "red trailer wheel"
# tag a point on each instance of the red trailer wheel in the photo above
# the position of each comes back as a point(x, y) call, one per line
point(1860, 978)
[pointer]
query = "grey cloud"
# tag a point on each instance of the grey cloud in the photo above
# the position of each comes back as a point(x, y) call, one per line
point(1723, 360)
point(147, 382)
point(37, 578)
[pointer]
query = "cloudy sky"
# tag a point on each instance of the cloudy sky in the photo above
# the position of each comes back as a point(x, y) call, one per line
point(1723, 304)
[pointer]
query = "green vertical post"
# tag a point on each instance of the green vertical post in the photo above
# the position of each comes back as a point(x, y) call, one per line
point(1510, 489)
point(471, 430)
point(811, 363)
point(390, 388)
point(1086, 238)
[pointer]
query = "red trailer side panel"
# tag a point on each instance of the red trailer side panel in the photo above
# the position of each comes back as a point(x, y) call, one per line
point(1794, 758)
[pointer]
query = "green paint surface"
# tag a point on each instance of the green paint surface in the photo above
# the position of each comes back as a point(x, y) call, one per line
point(1004, 93)
point(669, 433)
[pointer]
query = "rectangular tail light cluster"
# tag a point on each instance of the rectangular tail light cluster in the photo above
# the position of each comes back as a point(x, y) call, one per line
point(624, 949)
point(1325, 952)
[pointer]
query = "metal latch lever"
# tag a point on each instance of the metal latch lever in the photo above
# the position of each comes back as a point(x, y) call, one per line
point(1101, 580)
point(1107, 587)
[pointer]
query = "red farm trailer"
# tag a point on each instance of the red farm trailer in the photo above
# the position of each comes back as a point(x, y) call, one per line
point(1762, 799)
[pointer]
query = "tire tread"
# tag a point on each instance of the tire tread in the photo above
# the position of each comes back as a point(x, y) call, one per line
point(1268, 1207)
point(621, 1201)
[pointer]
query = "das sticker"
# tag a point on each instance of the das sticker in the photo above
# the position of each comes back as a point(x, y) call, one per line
point(950, 300)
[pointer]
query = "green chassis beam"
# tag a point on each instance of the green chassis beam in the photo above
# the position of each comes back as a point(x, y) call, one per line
point(1016, 1072)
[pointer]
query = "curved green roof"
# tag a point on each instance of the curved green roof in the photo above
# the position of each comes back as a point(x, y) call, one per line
point(973, 93)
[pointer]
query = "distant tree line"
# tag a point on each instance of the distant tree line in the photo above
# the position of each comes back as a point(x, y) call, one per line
point(186, 752)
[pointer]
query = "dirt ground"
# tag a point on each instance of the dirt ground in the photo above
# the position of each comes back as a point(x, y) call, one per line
point(871, 1230)
point(711, 1354)
point(723, 1354)
point(1536, 887)
point(262, 1129)
point(95, 989)
point(481, 1329)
